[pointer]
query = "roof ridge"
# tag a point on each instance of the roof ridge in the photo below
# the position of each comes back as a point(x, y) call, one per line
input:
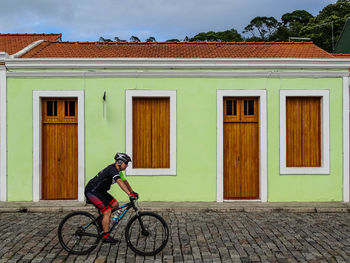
point(29, 34)
point(178, 43)
point(35, 50)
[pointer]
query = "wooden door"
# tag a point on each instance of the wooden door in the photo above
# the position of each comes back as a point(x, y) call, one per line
point(59, 149)
point(151, 132)
point(241, 148)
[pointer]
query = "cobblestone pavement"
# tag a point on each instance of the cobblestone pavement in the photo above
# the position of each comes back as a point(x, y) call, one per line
point(194, 237)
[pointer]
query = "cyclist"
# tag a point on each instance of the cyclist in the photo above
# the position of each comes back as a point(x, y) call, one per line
point(97, 187)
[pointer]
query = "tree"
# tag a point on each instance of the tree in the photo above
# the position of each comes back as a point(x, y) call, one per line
point(173, 40)
point(319, 29)
point(291, 25)
point(151, 39)
point(225, 36)
point(134, 39)
point(117, 39)
point(298, 16)
point(230, 35)
point(265, 26)
point(102, 39)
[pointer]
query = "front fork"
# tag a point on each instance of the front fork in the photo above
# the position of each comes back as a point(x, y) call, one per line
point(144, 231)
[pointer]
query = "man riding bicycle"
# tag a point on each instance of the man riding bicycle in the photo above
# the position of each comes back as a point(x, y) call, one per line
point(97, 187)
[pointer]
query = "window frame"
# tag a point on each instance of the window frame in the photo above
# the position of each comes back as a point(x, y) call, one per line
point(129, 95)
point(325, 154)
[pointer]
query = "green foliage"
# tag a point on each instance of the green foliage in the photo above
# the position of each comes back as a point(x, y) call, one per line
point(134, 39)
point(151, 39)
point(265, 26)
point(225, 36)
point(319, 29)
point(173, 40)
point(102, 39)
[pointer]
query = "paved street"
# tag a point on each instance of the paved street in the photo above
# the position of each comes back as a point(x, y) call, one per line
point(194, 237)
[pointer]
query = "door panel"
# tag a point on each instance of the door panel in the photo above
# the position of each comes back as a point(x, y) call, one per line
point(59, 149)
point(241, 150)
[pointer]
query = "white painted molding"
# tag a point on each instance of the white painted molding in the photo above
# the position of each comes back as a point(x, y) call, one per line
point(262, 139)
point(129, 94)
point(177, 74)
point(26, 49)
point(179, 63)
point(37, 95)
point(3, 136)
point(324, 169)
point(346, 175)
point(3, 56)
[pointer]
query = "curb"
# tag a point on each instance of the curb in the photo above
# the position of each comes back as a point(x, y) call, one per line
point(63, 209)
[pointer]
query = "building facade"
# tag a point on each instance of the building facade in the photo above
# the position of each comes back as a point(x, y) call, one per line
point(198, 129)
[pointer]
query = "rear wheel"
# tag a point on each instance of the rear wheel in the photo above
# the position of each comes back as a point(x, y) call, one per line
point(79, 233)
point(147, 233)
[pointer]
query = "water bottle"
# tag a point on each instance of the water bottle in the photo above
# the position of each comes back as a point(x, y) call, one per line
point(116, 215)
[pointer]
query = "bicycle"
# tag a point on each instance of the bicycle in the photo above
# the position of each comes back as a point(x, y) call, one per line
point(80, 232)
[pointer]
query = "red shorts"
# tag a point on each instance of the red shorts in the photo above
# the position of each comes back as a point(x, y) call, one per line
point(103, 201)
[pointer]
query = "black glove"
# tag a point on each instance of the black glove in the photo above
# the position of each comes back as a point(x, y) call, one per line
point(136, 195)
point(132, 196)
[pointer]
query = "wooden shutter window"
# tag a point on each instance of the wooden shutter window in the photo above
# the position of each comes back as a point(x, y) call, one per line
point(151, 132)
point(51, 108)
point(303, 117)
point(69, 108)
point(248, 107)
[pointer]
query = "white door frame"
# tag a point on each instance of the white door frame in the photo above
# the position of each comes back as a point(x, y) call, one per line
point(3, 141)
point(346, 112)
point(262, 140)
point(37, 139)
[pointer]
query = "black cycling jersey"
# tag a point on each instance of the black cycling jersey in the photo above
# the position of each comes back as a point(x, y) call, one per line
point(103, 180)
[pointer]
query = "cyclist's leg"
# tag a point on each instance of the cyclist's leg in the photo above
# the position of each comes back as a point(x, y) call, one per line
point(114, 204)
point(102, 202)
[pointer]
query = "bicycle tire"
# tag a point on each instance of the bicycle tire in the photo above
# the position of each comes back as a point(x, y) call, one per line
point(157, 231)
point(74, 238)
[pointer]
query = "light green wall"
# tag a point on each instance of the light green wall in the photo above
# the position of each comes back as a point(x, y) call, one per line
point(196, 135)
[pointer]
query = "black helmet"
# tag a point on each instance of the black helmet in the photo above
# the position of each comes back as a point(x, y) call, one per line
point(122, 157)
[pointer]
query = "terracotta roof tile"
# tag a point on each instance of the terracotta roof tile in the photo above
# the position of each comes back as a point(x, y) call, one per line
point(50, 49)
point(12, 43)
point(339, 55)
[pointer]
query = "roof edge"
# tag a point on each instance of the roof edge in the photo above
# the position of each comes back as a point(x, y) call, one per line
point(178, 63)
point(178, 43)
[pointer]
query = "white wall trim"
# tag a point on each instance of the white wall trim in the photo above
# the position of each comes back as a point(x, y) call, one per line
point(177, 74)
point(3, 141)
point(129, 94)
point(37, 95)
point(262, 139)
point(183, 63)
point(325, 156)
point(346, 175)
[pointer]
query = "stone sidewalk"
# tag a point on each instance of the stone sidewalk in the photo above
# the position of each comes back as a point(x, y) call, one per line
point(249, 206)
point(196, 235)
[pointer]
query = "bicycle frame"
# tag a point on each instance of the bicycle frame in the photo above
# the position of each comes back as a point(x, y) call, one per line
point(126, 208)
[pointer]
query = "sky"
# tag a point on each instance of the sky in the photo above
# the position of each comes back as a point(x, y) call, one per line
point(87, 20)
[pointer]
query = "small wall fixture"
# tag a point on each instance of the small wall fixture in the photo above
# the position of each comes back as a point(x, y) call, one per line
point(104, 104)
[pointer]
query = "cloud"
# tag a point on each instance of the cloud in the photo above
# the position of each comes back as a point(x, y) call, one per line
point(88, 20)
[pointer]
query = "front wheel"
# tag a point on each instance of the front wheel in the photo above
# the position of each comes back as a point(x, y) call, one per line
point(79, 233)
point(146, 233)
